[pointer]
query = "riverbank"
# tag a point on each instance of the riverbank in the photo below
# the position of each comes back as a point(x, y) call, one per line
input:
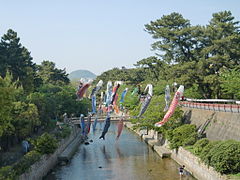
point(47, 162)
point(192, 163)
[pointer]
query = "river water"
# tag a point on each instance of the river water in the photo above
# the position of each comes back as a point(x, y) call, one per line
point(129, 158)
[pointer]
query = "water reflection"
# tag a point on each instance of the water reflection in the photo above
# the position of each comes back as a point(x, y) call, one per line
point(127, 158)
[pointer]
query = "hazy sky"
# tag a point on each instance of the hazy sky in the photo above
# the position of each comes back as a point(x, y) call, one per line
point(97, 34)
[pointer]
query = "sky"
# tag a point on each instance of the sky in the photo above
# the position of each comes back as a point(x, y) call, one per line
point(97, 35)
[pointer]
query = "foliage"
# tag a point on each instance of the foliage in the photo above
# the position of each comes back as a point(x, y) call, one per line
point(52, 101)
point(7, 173)
point(6, 98)
point(196, 55)
point(153, 113)
point(205, 151)
point(26, 118)
point(130, 76)
point(63, 133)
point(199, 145)
point(50, 74)
point(234, 176)
point(192, 92)
point(45, 144)
point(31, 95)
point(152, 67)
point(25, 163)
point(182, 136)
point(16, 59)
point(230, 82)
point(131, 102)
point(223, 156)
point(11, 172)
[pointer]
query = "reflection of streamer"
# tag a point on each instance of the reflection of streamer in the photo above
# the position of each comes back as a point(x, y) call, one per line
point(107, 157)
point(115, 107)
point(120, 127)
point(95, 123)
point(88, 126)
point(82, 124)
point(120, 155)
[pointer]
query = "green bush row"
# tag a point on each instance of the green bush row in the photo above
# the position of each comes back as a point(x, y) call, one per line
point(63, 133)
point(182, 136)
point(223, 156)
point(44, 144)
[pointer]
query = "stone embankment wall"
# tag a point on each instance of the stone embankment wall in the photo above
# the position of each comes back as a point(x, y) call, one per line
point(47, 162)
point(218, 125)
point(193, 164)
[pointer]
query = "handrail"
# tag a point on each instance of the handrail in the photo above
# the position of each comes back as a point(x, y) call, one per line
point(213, 100)
point(234, 108)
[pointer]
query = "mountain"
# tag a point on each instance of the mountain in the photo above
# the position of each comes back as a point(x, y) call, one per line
point(78, 74)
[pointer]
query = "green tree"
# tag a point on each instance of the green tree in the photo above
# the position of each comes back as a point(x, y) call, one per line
point(17, 59)
point(25, 119)
point(6, 104)
point(221, 51)
point(152, 66)
point(50, 74)
point(173, 38)
point(230, 83)
point(8, 92)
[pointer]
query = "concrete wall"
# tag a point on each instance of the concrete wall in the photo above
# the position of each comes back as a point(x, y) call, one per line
point(222, 125)
point(198, 170)
point(47, 162)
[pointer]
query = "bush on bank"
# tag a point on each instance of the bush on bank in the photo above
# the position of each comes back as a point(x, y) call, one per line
point(223, 156)
point(23, 165)
point(7, 173)
point(63, 133)
point(199, 146)
point(182, 136)
point(45, 144)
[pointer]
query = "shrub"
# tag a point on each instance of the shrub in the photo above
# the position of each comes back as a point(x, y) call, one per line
point(182, 136)
point(7, 173)
point(199, 145)
point(45, 144)
point(63, 133)
point(204, 155)
point(224, 157)
point(25, 163)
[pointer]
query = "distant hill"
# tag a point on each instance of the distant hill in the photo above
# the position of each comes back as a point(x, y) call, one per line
point(78, 74)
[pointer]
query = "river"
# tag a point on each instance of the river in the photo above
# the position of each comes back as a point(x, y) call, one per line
point(129, 158)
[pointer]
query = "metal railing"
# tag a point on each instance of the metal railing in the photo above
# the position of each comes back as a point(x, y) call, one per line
point(234, 108)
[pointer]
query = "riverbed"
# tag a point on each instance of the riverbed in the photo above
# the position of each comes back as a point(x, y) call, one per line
point(127, 158)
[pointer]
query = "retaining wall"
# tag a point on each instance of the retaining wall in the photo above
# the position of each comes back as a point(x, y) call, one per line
point(220, 125)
